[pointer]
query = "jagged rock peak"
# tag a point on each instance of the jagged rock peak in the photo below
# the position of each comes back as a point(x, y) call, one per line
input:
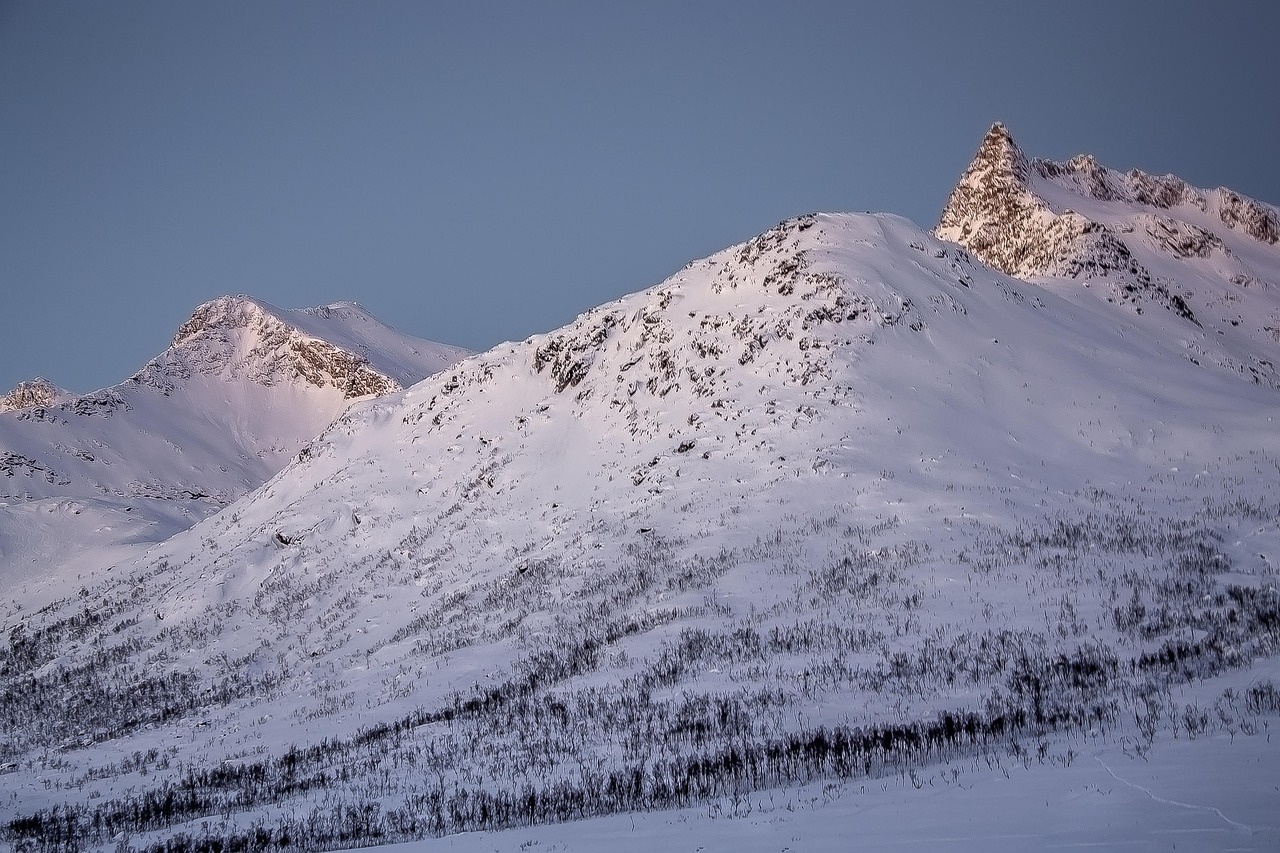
point(991, 194)
point(242, 336)
point(999, 154)
point(225, 312)
point(997, 212)
point(36, 392)
point(993, 213)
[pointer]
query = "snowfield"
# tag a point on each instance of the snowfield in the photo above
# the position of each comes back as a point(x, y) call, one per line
point(838, 535)
point(1206, 795)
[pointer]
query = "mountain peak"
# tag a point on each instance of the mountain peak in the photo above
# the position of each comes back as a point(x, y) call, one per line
point(1134, 239)
point(989, 209)
point(338, 345)
point(242, 336)
point(36, 392)
point(998, 212)
point(241, 389)
point(225, 312)
point(991, 190)
point(999, 154)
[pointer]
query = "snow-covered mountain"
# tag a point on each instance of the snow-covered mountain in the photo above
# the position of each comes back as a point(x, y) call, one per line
point(1209, 258)
point(838, 502)
point(238, 392)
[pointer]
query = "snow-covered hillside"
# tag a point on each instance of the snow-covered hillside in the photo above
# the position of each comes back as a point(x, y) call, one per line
point(835, 506)
point(242, 387)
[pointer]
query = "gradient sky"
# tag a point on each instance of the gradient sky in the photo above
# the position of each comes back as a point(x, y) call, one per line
point(474, 172)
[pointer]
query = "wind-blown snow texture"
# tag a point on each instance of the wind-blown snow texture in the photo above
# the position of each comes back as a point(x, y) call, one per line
point(239, 391)
point(835, 505)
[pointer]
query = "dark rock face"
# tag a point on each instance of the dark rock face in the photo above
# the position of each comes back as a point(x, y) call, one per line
point(1181, 239)
point(1259, 221)
point(15, 465)
point(993, 214)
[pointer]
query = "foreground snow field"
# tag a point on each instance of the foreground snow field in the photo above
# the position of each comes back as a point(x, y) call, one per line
point(1209, 794)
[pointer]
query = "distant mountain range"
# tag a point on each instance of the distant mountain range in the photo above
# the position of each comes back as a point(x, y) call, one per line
point(241, 389)
point(847, 500)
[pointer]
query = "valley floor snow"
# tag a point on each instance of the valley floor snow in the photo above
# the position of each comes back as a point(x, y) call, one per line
point(1208, 794)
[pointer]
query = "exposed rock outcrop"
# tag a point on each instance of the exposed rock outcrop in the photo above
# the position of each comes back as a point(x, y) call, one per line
point(32, 394)
point(994, 213)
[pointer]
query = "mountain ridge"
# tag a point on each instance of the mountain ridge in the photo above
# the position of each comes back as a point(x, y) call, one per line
point(1208, 257)
point(295, 345)
point(994, 213)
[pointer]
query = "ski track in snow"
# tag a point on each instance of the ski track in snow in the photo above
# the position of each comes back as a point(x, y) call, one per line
point(1168, 802)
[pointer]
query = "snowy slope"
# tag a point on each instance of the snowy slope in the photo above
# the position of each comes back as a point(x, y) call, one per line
point(836, 479)
point(238, 392)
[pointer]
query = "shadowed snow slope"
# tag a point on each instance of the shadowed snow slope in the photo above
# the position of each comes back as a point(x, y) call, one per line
point(239, 391)
point(837, 478)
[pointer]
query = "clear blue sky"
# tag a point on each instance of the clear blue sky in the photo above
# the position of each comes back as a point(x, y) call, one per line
point(474, 172)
